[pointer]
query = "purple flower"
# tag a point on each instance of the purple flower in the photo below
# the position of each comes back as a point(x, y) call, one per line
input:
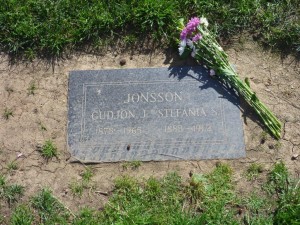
point(183, 34)
point(195, 21)
point(197, 37)
point(190, 27)
point(192, 24)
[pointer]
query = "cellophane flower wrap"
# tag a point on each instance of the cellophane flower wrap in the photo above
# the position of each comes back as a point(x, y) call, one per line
point(195, 38)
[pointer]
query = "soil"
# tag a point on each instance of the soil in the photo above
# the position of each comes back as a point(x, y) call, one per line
point(36, 93)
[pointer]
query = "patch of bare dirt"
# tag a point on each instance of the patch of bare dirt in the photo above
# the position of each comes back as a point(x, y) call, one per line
point(42, 115)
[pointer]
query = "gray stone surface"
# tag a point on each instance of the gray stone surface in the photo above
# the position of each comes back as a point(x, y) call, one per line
point(175, 113)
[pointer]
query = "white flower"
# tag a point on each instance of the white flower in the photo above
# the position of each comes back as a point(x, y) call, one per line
point(189, 42)
point(220, 48)
point(204, 21)
point(182, 43)
point(181, 50)
point(233, 67)
point(194, 52)
point(212, 72)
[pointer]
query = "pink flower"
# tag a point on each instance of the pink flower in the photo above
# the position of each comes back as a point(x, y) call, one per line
point(197, 37)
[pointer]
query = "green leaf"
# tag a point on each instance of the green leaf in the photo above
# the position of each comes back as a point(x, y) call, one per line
point(180, 24)
point(247, 81)
point(254, 97)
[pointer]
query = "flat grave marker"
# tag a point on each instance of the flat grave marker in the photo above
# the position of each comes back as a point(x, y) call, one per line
point(176, 113)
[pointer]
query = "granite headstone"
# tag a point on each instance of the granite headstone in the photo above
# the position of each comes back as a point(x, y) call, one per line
point(175, 113)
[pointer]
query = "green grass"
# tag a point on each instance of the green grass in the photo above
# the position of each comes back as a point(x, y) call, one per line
point(77, 187)
point(155, 202)
point(49, 150)
point(87, 174)
point(7, 113)
point(203, 199)
point(132, 164)
point(87, 216)
point(32, 88)
point(287, 194)
point(22, 215)
point(42, 126)
point(280, 24)
point(257, 209)
point(50, 210)
point(12, 166)
point(263, 137)
point(53, 28)
point(253, 171)
point(11, 193)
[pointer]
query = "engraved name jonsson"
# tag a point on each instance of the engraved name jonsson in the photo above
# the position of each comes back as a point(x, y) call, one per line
point(153, 97)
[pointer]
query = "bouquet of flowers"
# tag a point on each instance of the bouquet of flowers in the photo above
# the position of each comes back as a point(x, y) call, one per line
point(196, 39)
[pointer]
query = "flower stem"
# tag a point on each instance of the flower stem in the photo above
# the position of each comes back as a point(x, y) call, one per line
point(209, 50)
